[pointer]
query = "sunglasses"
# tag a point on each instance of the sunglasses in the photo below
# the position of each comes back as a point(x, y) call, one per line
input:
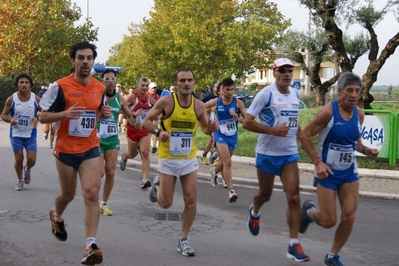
point(284, 70)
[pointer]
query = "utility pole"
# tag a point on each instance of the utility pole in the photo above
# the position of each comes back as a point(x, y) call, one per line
point(307, 84)
point(87, 9)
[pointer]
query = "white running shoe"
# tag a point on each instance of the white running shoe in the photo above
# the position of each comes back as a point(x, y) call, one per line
point(232, 196)
point(185, 248)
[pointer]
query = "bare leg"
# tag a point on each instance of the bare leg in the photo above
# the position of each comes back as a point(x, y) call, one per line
point(290, 180)
point(90, 180)
point(110, 164)
point(189, 186)
point(144, 144)
point(18, 164)
point(30, 159)
point(348, 196)
point(225, 162)
point(131, 150)
point(266, 182)
point(67, 177)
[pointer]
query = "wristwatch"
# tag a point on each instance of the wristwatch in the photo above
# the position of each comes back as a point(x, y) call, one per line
point(156, 131)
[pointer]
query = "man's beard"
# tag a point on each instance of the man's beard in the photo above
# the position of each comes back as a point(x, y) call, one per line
point(110, 94)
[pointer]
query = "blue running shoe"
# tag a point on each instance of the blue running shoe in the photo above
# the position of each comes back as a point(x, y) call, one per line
point(296, 253)
point(305, 219)
point(253, 223)
point(334, 261)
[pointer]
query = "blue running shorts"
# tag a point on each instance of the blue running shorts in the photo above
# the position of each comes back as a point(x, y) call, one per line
point(17, 144)
point(273, 164)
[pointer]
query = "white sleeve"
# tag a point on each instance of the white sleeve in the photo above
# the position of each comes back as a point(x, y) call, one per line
point(260, 101)
point(50, 97)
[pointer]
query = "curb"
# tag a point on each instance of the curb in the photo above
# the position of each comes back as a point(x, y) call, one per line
point(388, 174)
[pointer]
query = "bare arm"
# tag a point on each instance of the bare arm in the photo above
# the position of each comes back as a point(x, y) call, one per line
point(6, 113)
point(158, 109)
point(210, 104)
point(243, 112)
point(152, 100)
point(126, 111)
point(250, 124)
point(38, 101)
point(207, 126)
point(73, 112)
point(305, 136)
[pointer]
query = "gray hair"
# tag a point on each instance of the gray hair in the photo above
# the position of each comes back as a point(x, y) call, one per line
point(348, 78)
point(142, 79)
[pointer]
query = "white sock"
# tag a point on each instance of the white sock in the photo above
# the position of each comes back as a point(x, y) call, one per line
point(293, 241)
point(103, 203)
point(330, 255)
point(255, 215)
point(58, 217)
point(308, 211)
point(89, 241)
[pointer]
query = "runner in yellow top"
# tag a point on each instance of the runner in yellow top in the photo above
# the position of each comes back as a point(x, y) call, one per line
point(180, 114)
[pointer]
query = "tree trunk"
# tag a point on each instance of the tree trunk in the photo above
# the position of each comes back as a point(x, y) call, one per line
point(320, 95)
point(372, 71)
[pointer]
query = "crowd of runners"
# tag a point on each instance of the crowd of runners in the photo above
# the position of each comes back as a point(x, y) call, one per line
point(82, 118)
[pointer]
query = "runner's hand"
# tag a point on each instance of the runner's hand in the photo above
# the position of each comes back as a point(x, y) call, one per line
point(74, 111)
point(280, 130)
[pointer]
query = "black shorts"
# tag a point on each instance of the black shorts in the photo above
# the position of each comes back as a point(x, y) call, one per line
point(74, 160)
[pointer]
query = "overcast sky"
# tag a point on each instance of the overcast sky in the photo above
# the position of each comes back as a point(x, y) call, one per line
point(113, 18)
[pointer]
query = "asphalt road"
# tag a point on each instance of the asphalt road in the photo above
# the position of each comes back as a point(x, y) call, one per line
point(134, 237)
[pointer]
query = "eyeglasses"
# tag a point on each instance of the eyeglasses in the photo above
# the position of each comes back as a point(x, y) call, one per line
point(284, 70)
point(109, 79)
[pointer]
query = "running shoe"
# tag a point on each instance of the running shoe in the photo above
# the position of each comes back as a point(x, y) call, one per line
point(50, 146)
point(185, 248)
point(224, 184)
point(105, 210)
point(305, 219)
point(92, 255)
point(232, 196)
point(253, 223)
point(26, 175)
point(334, 261)
point(45, 136)
point(58, 228)
point(122, 163)
point(296, 253)
point(152, 193)
point(205, 160)
point(19, 186)
point(215, 161)
point(214, 177)
point(145, 184)
point(154, 149)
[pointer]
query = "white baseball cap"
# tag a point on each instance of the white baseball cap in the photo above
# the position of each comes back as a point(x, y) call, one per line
point(152, 85)
point(282, 62)
point(118, 85)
